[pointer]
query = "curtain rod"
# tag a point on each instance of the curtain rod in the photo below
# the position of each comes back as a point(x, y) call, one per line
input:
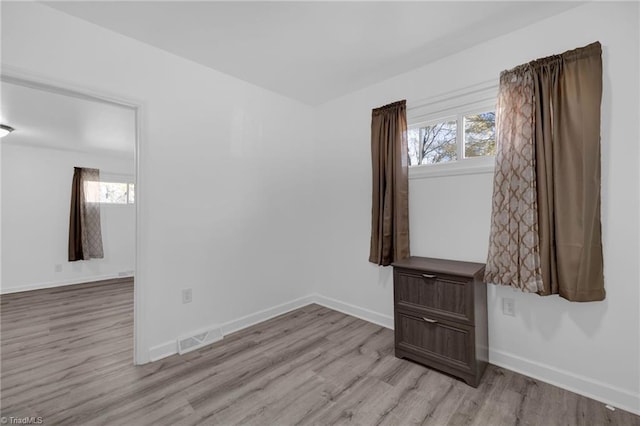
point(110, 173)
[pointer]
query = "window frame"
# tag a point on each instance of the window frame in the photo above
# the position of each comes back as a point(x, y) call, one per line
point(119, 179)
point(446, 107)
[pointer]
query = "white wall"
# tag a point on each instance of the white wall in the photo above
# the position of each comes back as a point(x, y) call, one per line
point(589, 347)
point(36, 192)
point(224, 177)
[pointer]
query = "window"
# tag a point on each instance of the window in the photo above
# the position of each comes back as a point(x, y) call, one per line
point(453, 133)
point(117, 193)
point(454, 138)
point(109, 192)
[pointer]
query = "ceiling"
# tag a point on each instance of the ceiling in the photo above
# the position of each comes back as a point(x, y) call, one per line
point(46, 119)
point(312, 51)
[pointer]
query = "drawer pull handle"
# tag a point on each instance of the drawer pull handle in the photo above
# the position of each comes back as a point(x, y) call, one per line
point(430, 321)
point(428, 276)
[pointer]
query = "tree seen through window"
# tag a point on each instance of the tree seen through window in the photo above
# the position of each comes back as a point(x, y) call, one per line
point(438, 142)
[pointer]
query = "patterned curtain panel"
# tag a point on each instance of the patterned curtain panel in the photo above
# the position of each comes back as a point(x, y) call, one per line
point(85, 232)
point(545, 223)
point(513, 258)
point(390, 197)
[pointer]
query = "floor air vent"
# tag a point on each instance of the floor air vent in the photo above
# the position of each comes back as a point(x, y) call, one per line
point(195, 341)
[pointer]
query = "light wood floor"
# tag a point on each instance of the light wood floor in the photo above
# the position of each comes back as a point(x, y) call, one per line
point(67, 356)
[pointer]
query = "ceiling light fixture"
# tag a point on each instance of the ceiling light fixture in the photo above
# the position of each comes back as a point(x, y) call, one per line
point(5, 130)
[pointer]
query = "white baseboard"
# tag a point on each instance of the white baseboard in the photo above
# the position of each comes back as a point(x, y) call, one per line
point(355, 311)
point(61, 283)
point(260, 316)
point(614, 396)
point(163, 350)
point(594, 389)
point(166, 349)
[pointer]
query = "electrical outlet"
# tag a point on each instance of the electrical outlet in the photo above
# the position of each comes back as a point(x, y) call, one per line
point(58, 267)
point(508, 306)
point(186, 295)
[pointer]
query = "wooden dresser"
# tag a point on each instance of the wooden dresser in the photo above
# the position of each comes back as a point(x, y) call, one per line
point(440, 310)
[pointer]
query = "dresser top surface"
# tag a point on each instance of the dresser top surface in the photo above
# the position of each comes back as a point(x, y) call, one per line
point(443, 266)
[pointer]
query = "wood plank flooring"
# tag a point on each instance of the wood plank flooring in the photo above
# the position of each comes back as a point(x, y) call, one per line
point(67, 357)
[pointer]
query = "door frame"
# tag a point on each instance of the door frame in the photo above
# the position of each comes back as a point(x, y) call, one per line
point(27, 79)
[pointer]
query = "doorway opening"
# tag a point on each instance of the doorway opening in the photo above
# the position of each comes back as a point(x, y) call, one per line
point(58, 129)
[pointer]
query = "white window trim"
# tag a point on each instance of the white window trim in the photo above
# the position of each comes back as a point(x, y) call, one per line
point(455, 104)
point(468, 166)
point(116, 177)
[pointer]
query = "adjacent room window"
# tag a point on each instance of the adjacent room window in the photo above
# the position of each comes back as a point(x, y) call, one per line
point(454, 138)
point(117, 193)
point(110, 192)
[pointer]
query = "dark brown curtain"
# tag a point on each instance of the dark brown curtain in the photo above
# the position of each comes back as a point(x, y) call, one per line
point(568, 88)
point(566, 96)
point(390, 198)
point(85, 233)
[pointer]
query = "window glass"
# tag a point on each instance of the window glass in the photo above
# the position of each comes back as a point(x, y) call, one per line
point(92, 191)
point(480, 134)
point(438, 143)
point(113, 192)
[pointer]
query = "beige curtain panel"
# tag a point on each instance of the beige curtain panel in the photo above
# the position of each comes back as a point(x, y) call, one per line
point(390, 197)
point(513, 248)
point(85, 232)
point(545, 224)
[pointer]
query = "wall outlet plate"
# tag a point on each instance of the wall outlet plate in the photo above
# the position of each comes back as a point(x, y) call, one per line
point(508, 306)
point(186, 295)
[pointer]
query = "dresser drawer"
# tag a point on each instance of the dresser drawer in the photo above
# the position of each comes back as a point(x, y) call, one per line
point(429, 292)
point(440, 313)
point(447, 343)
